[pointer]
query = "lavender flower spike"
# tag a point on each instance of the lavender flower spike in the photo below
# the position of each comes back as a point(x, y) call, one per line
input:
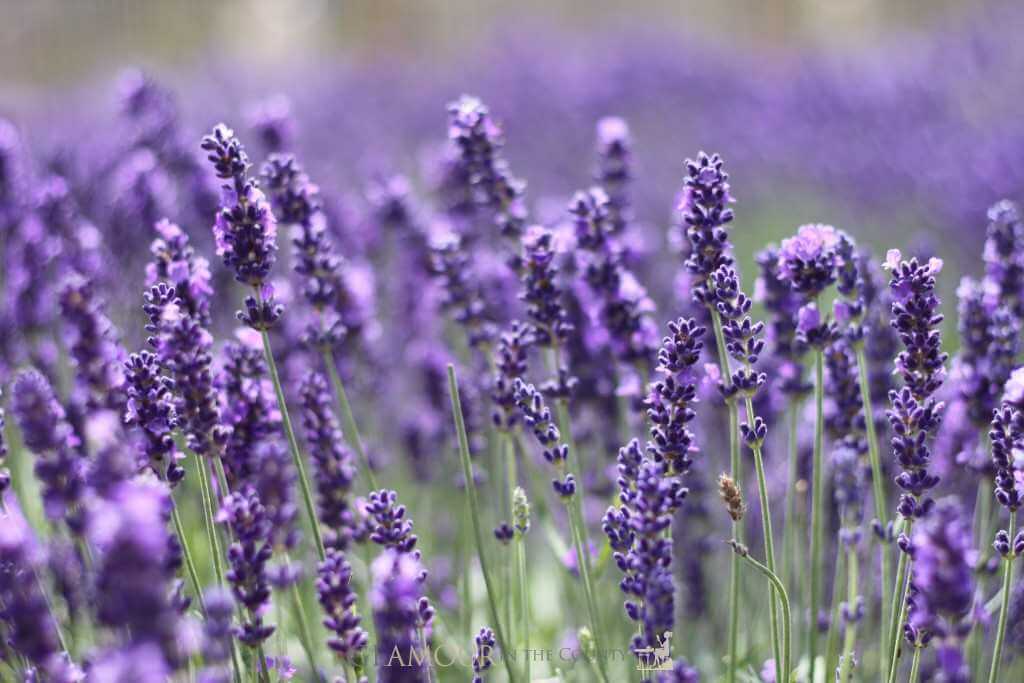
point(394, 598)
point(483, 645)
point(614, 169)
point(705, 212)
point(247, 518)
point(808, 260)
point(46, 432)
point(334, 590)
point(150, 407)
point(246, 229)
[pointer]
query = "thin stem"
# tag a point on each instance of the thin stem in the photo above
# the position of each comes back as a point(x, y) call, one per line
point(877, 486)
point(850, 639)
point(982, 530)
point(832, 642)
point(186, 552)
point(817, 512)
point(348, 419)
point(737, 527)
point(511, 564)
point(524, 603)
point(788, 572)
point(305, 637)
point(467, 472)
point(293, 446)
point(780, 591)
point(899, 605)
point(915, 666)
point(769, 542)
point(997, 653)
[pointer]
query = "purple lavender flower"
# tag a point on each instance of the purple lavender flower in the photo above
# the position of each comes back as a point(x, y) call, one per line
point(184, 348)
point(1004, 256)
point(943, 581)
point(337, 598)
point(248, 555)
point(743, 340)
point(392, 528)
point(483, 648)
point(617, 305)
point(394, 598)
point(253, 453)
point(671, 401)
point(808, 260)
point(150, 407)
point(138, 663)
point(335, 470)
point(782, 305)
point(246, 229)
point(217, 635)
point(844, 419)
point(93, 345)
point(174, 261)
point(537, 417)
point(136, 566)
point(541, 293)
point(31, 629)
point(705, 212)
point(614, 169)
point(1007, 436)
point(272, 122)
point(915, 414)
point(461, 295)
point(479, 141)
point(510, 359)
point(45, 431)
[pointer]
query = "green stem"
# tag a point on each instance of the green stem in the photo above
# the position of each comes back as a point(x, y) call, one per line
point(737, 527)
point(293, 446)
point(982, 530)
point(348, 419)
point(190, 565)
point(769, 542)
point(467, 472)
point(899, 606)
point(511, 565)
point(817, 512)
point(832, 642)
point(997, 653)
point(780, 591)
point(788, 572)
point(524, 603)
point(915, 667)
point(878, 489)
point(305, 637)
point(850, 639)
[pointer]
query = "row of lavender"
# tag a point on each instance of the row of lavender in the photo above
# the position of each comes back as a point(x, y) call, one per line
point(123, 445)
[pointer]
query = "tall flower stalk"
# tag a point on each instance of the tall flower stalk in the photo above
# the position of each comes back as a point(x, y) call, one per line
point(705, 213)
point(474, 510)
point(915, 414)
point(246, 236)
point(1007, 436)
point(807, 261)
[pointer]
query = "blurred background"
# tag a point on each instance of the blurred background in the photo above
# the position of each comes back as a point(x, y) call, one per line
point(889, 119)
point(905, 114)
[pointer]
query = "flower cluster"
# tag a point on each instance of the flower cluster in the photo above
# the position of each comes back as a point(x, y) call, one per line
point(537, 416)
point(150, 407)
point(337, 599)
point(174, 261)
point(541, 292)
point(245, 229)
point(943, 587)
point(94, 346)
point(483, 647)
point(782, 305)
point(915, 414)
point(60, 465)
point(394, 598)
point(614, 169)
point(478, 141)
point(250, 526)
point(335, 470)
point(705, 212)
point(743, 340)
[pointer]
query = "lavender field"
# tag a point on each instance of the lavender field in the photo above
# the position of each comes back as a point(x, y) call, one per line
point(590, 352)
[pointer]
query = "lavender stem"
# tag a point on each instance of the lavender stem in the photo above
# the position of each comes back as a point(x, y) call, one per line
point(467, 472)
point(899, 606)
point(915, 666)
point(817, 511)
point(740, 551)
point(997, 652)
point(293, 446)
point(850, 639)
point(737, 527)
point(190, 564)
point(877, 486)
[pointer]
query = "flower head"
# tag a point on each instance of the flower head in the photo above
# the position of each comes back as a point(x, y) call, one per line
point(336, 596)
point(705, 212)
point(808, 260)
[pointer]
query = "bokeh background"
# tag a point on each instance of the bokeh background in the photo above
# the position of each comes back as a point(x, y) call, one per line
point(895, 119)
